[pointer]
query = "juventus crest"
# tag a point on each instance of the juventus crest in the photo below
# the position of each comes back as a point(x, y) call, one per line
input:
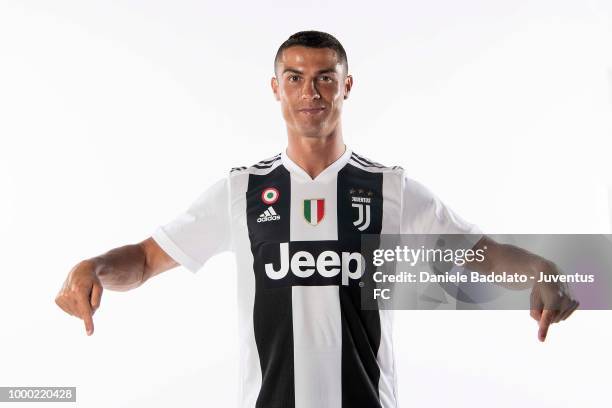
point(361, 200)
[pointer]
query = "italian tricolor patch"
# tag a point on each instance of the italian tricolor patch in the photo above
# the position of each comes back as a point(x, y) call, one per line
point(314, 210)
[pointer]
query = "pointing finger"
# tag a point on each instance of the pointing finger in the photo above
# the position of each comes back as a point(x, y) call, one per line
point(85, 314)
point(547, 317)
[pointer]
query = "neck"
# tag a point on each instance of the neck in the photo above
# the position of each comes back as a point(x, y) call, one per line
point(315, 154)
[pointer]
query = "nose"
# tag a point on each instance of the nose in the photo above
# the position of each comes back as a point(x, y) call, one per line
point(309, 91)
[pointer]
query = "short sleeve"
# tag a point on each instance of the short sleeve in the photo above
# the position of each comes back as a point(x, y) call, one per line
point(424, 213)
point(200, 232)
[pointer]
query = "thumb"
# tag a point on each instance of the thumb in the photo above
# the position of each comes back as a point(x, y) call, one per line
point(96, 296)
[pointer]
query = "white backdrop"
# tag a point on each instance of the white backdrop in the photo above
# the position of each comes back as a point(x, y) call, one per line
point(114, 116)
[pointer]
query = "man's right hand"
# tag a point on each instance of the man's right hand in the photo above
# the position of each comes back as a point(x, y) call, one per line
point(120, 269)
point(81, 293)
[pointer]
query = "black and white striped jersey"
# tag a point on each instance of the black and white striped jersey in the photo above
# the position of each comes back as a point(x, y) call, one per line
point(305, 341)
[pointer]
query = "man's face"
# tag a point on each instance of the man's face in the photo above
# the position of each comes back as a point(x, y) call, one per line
point(311, 85)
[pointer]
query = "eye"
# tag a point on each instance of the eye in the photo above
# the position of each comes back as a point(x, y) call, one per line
point(291, 78)
point(326, 78)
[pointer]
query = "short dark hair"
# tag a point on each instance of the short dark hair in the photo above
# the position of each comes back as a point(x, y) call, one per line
point(313, 39)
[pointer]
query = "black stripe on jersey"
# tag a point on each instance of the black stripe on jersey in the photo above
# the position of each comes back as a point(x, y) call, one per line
point(272, 309)
point(273, 159)
point(266, 166)
point(367, 160)
point(262, 167)
point(358, 161)
point(237, 168)
point(361, 331)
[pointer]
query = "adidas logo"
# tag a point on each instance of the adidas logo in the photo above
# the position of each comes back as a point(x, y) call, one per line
point(268, 215)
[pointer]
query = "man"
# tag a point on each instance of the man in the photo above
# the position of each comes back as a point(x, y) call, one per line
point(294, 221)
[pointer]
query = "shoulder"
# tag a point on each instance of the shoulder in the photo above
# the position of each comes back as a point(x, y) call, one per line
point(261, 167)
point(367, 164)
point(409, 188)
point(409, 185)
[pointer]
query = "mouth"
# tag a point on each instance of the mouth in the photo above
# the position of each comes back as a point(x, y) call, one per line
point(311, 111)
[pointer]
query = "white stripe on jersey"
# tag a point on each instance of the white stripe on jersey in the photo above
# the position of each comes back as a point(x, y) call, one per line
point(317, 342)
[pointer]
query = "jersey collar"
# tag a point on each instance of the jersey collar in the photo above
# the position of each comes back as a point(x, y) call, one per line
point(329, 171)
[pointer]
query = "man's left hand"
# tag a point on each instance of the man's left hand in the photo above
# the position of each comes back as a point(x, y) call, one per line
point(550, 302)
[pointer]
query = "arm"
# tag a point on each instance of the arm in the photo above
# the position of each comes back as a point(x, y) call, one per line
point(423, 212)
point(508, 258)
point(130, 266)
point(119, 269)
point(550, 302)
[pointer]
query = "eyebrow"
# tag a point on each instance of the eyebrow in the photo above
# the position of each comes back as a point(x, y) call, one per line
point(322, 71)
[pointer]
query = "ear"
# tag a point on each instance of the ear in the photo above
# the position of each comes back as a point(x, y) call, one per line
point(274, 84)
point(348, 85)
